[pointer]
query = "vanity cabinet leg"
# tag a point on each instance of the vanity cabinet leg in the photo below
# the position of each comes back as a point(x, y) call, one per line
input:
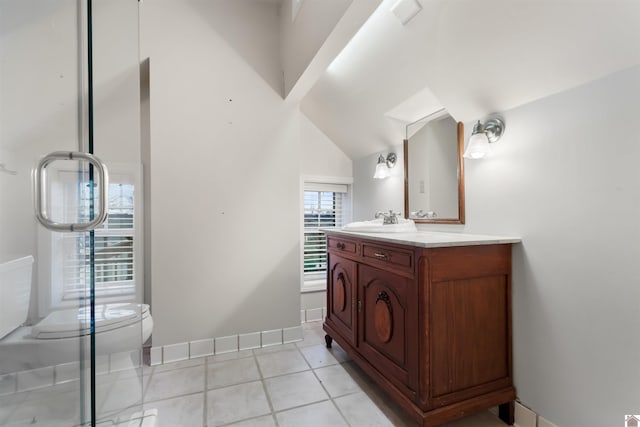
point(506, 412)
point(328, 340)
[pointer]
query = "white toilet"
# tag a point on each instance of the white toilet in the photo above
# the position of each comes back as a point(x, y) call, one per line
point(56, 339)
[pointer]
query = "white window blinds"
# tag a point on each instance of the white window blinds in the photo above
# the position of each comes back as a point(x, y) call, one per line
point(324, 206)
point(113, 244)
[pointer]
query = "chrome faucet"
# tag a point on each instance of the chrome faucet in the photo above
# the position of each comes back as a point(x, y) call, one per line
point(388, 218)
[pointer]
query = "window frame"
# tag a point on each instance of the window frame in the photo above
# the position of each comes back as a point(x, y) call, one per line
point(51, 294)
point(320, 283)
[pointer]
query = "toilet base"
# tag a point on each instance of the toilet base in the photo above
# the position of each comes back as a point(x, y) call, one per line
point(20, 352)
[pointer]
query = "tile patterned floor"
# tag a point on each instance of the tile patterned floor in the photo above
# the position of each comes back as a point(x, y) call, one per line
point(298, 385)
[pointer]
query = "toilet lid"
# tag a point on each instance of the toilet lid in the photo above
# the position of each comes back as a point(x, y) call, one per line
point(74, 322)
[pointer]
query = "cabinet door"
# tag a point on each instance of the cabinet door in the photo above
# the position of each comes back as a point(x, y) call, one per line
point(341, 297)
point(389, 325)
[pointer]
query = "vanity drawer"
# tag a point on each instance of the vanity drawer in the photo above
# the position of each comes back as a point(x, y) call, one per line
point(395, 257)
point(342, 245)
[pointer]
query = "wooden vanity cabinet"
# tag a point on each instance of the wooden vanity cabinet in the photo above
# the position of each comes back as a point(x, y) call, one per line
point(432, 326)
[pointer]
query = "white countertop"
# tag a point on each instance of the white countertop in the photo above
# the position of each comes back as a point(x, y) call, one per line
point(430, 239)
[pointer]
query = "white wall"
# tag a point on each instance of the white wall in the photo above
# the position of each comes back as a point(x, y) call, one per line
point(38, 108)
point(225, 177)
point(373, 195)
point(565, 178)
point(319, 156)
point(301, 38)
point(116, 79)
point(40, 104)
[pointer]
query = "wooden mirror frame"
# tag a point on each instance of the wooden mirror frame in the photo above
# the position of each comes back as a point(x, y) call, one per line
point(460, 219)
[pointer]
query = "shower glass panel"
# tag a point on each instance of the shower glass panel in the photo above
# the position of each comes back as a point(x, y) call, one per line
point(71, 312)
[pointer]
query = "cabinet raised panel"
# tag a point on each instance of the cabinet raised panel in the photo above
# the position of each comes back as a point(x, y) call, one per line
point(383, 317)
point(432, 326)
point(386, 335)
point(341, 295)
point(469, 334)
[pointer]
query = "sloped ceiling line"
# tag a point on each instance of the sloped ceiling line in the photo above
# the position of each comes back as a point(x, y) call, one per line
point(475, 58)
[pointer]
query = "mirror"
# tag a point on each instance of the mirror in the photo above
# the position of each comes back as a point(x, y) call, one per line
point(434, 173)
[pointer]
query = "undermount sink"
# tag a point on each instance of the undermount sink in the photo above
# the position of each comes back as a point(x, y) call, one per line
point(377, 226)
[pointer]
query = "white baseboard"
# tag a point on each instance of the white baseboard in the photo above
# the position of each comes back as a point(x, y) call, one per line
point(47, 376)
point(228, 344)
point(525, 417)
point(313, 314)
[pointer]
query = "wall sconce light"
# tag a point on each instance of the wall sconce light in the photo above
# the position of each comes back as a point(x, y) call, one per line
point(482, 136)
point(384, 165)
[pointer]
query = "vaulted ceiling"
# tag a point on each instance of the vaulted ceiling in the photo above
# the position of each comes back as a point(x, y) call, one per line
point(471, 57)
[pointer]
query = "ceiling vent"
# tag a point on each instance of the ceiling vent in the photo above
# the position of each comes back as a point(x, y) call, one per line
point(405, 10)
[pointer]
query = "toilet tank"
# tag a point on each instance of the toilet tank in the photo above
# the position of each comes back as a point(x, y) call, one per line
point(15, 293)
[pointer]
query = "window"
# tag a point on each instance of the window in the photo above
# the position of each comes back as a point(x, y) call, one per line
point(113, 243)
point(64, 258)
point(325, 206)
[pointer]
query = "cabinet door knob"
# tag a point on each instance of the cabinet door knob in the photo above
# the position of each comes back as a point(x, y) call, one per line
point(340, 245)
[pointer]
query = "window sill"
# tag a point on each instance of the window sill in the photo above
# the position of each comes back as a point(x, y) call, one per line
point(67, 303)
point(314, 286)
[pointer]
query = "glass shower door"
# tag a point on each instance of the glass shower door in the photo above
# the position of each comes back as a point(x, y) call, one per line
point(70, 301)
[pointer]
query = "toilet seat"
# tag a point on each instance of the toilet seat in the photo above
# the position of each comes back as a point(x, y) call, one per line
point(72, 322)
